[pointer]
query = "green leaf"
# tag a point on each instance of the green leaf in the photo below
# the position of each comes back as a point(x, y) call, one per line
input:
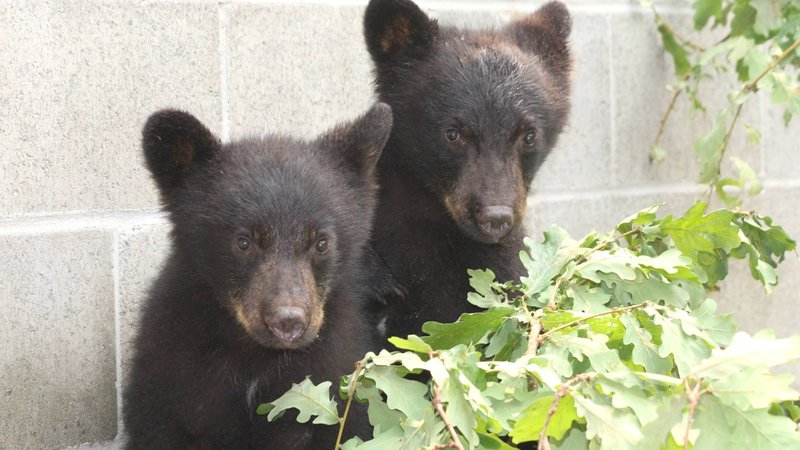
point(643, 217)
point(753, 389)
point(508, 343)
point(309, 400)
point(602, 262)
point(380, 415)
point(744, 16)
point(588, 299)
point(745, 351)
point(421, 433)
point(492, 442)
point(458, 410)
point(679, 54)
point(615, 428)
point(410, 361)
point(747, 177)
point(756, 61)
point(696, 232)
point(771, 242)
point(687, 351)
point(657, 154)
point(470, 328)
point(768, 16)
point(403, 395)
point(529, 427)
point(413, 343)
point(630, 392)
point(709, 148)
point(753, 135)
point(704, 10)
point(733, 428)
point(720, 328)
point(601, 358)
point(482, 282)
point(657, 432)
point(542, 261)
point(649, 289)
point(645, 353)
point(575, 440)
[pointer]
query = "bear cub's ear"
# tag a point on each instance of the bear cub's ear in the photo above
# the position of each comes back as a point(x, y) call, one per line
point(361, 141)
point(545, 33)
point(398, 31)
point(175, 143)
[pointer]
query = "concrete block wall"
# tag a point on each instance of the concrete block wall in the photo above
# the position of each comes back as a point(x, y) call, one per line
point(81, 235)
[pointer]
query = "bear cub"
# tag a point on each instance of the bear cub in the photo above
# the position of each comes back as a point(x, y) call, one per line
point(262, 285)
point(476, 112)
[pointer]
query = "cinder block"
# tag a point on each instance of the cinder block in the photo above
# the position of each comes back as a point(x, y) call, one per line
point(142, 253)
point(781, 143)
point(111, 445)
point(582, 158)
point(583, 213)
point(296, 68)
point(641, 70)
point(57, 359)
point(79, 80)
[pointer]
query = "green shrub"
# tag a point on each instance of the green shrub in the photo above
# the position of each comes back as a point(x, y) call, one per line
point(610, 341)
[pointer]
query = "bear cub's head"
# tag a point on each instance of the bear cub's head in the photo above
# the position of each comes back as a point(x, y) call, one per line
point(476, 111)
point(272, 227)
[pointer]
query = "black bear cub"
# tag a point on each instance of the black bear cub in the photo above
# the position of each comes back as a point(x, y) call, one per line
point(262, 285)
point(476, 112)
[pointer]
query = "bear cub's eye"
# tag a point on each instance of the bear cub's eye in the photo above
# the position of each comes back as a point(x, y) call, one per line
point(243, 243)
point(452, 134)
point(530, 138)
point(321, 245)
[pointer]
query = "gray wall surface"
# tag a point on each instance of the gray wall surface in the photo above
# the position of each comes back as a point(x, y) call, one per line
point(81, 235)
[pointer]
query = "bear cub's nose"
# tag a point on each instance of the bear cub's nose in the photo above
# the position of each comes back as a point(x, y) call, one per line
point(495, 221)
point(288, 323)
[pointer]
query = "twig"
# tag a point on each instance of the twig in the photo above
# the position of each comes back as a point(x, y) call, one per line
point(694, 395)
point(533, 337)
point(725, 141)
point(351, 390)
point(661, 21)
point(670, 108)
point(437, 403)
point(752, 85)
point(584, 319)
point(748, 88)
point(562, 391)
point(551, 304)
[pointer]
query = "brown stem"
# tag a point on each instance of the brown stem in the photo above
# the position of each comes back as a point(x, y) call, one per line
point(544, 443)
point(584, 319)
point(437, 404)
point(350, 394)
point(686, 42)
point(694, 395)
point(670, 108)
point(533, 338)
point(748, 88)
point(562, 391)
point(752, 85)
point(725, 141)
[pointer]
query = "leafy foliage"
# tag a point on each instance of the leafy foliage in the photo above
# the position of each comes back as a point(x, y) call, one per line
point(761, 47)
point(610, 341)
